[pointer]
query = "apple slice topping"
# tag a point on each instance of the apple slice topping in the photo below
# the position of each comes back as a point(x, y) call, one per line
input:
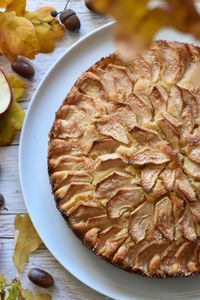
point(6, 95)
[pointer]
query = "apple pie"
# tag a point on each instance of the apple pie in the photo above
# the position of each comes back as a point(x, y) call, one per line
point(124, 160)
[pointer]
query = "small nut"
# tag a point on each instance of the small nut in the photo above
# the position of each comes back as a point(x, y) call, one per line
point(72, 23)
point(40, 277)
point(23, 68)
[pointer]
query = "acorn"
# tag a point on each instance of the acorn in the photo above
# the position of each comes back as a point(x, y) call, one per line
point(23, 68)
point(69, 18)
point(40, 277)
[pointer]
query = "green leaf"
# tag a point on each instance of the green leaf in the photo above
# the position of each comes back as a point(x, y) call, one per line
point(13, 292)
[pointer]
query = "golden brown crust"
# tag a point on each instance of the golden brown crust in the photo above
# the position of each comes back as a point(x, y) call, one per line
point(123, 161)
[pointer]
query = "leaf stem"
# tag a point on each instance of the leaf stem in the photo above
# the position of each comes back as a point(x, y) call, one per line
point(66, 4)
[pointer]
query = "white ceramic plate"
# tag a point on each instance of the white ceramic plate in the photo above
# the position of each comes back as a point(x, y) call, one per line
point(62, 243)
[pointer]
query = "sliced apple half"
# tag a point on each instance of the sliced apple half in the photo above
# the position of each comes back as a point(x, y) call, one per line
point(6, 95)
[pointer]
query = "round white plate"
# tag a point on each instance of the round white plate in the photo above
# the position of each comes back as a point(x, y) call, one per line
point(59, 239)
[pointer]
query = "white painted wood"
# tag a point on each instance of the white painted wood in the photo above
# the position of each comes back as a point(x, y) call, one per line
point(66, 286)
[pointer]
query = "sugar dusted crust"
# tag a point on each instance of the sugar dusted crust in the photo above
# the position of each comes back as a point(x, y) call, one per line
point(124, 160)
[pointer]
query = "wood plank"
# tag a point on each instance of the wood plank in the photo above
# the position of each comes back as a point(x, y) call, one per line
point(7, 226)
point(66, 286)
point(9, 181)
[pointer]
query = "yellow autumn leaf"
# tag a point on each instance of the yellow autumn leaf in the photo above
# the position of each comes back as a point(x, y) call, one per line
point(2, 280)
point(14, 118)
point(45, 32)
point(138, 21)
point(11, 122)
point(26, 241)
point(18, 6)
point(27, 294)
point(17, 36)
point(17, 86)
point(27, 33)
point(5, 3)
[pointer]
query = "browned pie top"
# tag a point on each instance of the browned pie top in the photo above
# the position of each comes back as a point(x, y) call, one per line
point(124, 160)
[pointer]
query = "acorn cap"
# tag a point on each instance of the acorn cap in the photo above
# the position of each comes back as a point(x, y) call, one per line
point(66, 14)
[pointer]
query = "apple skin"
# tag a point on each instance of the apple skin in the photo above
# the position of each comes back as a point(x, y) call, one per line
point(11, 95)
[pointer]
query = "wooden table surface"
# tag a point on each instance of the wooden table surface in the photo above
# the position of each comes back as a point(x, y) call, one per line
point(66, 286)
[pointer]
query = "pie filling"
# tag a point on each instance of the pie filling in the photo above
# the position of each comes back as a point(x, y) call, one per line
point(124, 160)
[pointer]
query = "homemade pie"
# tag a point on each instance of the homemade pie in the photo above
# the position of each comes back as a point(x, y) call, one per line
point(124, 160)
